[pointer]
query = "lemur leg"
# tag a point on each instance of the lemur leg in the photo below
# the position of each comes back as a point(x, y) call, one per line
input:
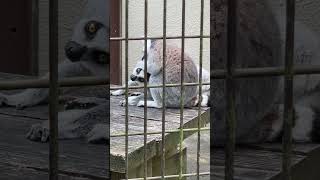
point(132, 100)
point(150, 103)
point(304, 118)
point(205, 100)
point(117, 92)
point(99, 134)
point(84, 103)
point(31, 97)
point(122, 91)
point(72, 124)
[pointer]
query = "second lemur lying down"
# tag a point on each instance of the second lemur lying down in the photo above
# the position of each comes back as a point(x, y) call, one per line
point(172, 75)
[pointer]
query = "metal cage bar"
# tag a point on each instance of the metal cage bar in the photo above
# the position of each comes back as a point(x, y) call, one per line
point(126, 90)
point(288, 88)
point(182, 87)
point(156, 37)
point(160, 132)
point(145, 110)
point(164, 58)
point(231, 73)
point(217, 74)
point(173, 176)
point(230, 94)
point(200, 87)
point(53, 90)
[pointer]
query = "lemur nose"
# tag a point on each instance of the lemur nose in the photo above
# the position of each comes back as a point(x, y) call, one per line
point(133, 77)
point(138, 70)
point(74, 50)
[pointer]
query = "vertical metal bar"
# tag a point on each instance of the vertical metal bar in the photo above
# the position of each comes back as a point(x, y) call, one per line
point(230, 94)
point(35, 37)
point(200, 88)
point(53, 91)
point(182, 85)
point(145, 136)
point(163, 149)
point(288, 88)
point(213, 17)
point(126, 84)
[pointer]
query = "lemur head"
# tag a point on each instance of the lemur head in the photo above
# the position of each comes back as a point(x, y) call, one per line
point(90, 36)
point(137, 75)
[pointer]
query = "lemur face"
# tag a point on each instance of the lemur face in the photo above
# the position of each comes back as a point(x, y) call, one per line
point(90, 36)
point(138, 73)
point(89, 42)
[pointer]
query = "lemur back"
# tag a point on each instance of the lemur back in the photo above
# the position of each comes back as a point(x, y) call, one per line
point(172, 74)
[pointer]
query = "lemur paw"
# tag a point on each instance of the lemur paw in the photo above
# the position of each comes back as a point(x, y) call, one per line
point(98, 135)
point(83, 103)
point(140, 104)
point(132, 100)
point(17, 101)
point(123, 103)
point(38, 132)
point(117, 92)
point(3, 100)
point(136, 94)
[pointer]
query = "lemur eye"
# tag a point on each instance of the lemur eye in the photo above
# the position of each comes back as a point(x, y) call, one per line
point(138, 70)
point(91, 28)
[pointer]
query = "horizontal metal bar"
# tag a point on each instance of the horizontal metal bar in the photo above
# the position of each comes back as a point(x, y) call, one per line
point(158, 86)
point(158, 37)
point(173, 176)
point(217, 74)
point(266, 71)
point(44, 83)
point(159, 132)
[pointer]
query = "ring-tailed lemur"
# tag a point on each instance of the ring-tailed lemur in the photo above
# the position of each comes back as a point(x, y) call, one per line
point(256, 97)
point(87, 54)
point(259, 100)
point(137, 79)
point(173, 75)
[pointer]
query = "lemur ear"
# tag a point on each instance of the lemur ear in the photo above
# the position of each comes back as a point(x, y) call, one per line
point(149, 44)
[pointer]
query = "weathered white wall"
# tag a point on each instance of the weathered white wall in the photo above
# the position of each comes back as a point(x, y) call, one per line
point(307, 11)
point(155, 27)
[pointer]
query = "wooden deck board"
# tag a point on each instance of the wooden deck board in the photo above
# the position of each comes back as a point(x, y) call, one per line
point(21, 157)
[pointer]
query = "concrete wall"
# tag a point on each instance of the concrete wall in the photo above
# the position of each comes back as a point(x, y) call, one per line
point(174, 24)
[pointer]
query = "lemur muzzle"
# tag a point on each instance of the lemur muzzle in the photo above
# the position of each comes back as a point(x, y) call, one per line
point(74, 50)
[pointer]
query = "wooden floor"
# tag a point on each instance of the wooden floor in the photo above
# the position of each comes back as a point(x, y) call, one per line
point(21, 158)
point(24, 159)
point(264, 162)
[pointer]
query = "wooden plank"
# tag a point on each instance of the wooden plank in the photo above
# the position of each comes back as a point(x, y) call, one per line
point(303, 149)
point(117, 126)
point(12, 172)
point(76, 156)
point(250, 161)
point(255, 159)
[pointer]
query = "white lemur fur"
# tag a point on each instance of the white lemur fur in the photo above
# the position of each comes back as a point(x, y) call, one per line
point(137, 79)
point(87, 54)
point(256, 97)
point(92, 62)
point(259, 101)
point(173, 75)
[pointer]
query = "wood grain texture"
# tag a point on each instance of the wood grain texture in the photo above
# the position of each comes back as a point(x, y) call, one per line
point(23, 158)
